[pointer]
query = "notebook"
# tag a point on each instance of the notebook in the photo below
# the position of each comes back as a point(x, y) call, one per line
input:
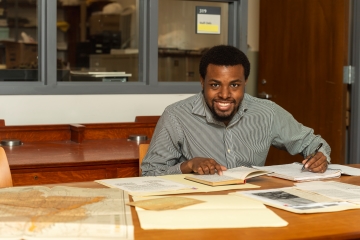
point(292, 172)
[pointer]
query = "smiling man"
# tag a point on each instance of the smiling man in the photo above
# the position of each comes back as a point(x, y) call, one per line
point(222, 127)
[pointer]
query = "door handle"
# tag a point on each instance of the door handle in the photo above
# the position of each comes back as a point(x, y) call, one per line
point(264, 95)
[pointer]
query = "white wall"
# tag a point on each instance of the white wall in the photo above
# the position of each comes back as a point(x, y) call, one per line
point(44, 109)
point(29, 110)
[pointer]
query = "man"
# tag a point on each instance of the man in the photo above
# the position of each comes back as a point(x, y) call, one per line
point(222, 127)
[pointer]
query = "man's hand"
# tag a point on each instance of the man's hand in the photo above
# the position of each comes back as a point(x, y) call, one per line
point(317, 163)
point(202, 166)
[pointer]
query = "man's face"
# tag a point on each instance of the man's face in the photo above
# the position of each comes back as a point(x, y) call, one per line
point(224, 88)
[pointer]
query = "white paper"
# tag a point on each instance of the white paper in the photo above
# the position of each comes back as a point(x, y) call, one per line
point(293, 172)
point(345, 169)
point(144, 184)
point(336, 190)
point(298, 201)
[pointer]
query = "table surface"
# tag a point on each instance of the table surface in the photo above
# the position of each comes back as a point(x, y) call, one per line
point(336, 225)
point(68, 153)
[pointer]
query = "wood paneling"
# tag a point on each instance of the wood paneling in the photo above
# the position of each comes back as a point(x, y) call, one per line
point(117, 130)
point(76, 132)
point(303, 48)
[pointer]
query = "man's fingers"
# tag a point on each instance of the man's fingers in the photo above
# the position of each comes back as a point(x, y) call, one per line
point(220, 169)
point(316, 167)
point(317, 164)
point(200, 171)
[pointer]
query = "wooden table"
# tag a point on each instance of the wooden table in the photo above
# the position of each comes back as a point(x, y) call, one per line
point(337, 225)
point(66, 161)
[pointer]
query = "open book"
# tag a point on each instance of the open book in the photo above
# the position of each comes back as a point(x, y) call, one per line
point(231, 176)
point(292, 171)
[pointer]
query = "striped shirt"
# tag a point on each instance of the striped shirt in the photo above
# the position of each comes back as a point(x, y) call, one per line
point(187, 130)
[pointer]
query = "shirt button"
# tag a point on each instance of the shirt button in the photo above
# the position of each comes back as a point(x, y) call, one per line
point(228, 150)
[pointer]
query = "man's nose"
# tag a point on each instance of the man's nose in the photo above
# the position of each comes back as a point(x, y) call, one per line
point(224, 92)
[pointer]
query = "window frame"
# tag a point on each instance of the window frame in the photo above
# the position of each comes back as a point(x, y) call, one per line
point(148, 70)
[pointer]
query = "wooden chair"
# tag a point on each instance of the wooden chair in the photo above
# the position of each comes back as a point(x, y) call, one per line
point(143, 148)
point(147, 119)
point(5, 175)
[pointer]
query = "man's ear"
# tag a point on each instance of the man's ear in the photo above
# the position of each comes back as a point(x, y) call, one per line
point(246, 81)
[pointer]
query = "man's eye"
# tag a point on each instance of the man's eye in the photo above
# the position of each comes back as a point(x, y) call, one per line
point(214, 85)
point(235, 85)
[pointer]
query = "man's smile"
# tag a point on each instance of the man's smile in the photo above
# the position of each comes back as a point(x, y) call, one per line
point(223, 106)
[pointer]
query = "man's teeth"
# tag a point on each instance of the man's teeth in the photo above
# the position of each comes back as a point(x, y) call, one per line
point(224, 104)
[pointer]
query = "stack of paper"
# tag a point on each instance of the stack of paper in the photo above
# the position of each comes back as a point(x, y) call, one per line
point(163, 185)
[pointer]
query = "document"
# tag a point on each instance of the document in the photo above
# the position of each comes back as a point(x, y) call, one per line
point(293, 172)
point(336, 190)
point(214, 211)
point(298, 201)
point(231, 176)
point(346, 170)
point(64, 213)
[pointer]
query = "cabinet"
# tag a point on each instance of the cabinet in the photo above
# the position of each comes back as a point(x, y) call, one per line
point(49, 175)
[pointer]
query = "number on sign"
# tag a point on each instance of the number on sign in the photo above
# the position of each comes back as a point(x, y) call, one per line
point(202, 10)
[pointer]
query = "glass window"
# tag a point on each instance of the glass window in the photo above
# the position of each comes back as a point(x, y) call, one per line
point(180, 44)
point(18, 40)
point(93, 46)
point(97, 41)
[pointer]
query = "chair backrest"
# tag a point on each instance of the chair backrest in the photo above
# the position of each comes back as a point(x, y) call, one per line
point(143, 148)
point(147, 119)
point(5, 175)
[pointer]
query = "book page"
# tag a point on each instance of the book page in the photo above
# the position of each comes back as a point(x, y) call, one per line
point(214, 178)
point(243, 172)
point(238, 173)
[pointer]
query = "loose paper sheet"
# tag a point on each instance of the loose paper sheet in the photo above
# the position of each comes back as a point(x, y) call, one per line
point(332, 189)
point(295, 200)
point(346, 170)
point(143, 185)
point(217, 211)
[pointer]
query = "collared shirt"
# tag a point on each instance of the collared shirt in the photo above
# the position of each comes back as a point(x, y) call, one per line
point(187, 129)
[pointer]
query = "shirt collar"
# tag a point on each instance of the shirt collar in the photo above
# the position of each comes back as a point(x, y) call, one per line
point(200, 108)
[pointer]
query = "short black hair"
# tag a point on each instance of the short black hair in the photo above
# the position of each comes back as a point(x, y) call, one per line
point(224, 55)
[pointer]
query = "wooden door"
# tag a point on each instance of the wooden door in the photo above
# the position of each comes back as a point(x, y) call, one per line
point(302, 51)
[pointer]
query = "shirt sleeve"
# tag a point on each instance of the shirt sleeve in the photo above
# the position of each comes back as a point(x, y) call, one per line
point(290, 135)
point(164, 155)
